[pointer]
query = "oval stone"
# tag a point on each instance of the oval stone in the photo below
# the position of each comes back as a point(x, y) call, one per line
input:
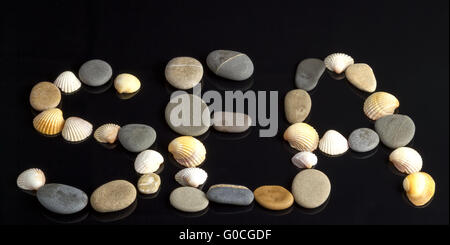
point(113, 196)
point(184, 72)
point(308, 73)
point(395, 130)
point(362, 77)
point(311, 188)
point(297, 105)
point(62, 199)
point(231, 122)
point(230, 194)
point(136, 137)
point(230, 64)
point(363, 140)
point(273, 197)
point(44, 95)
point(95, 73)
point(149, 183)
point(188, 199)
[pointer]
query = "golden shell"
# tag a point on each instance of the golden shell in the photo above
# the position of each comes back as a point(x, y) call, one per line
point(406, 160)
point(49, 122)
point(188, 151)
point(333, 143)
point(338, 62)
point(126, 83)
point(419, 188)
point(302, 137)
point(76, 129)
point(31, 179)
point(107, 133)
point(380, 104)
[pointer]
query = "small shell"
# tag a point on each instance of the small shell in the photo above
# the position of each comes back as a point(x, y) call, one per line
point(67, 82)
point(188, 151)
point(338, 62)
point(304, 159)
point(149, 183)
point(302, 137)
point(419, 188)
point(191, 177)
point(406, 160)
point(148, 161)
point(333, 143)
point(49, 122)
point(126, 83)
point(107, 133)
point(31, 179)
point(76, 129)
point(380, 104)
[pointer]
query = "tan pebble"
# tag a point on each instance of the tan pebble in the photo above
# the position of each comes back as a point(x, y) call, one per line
point(149, 183)
point(297, 105)
point(362, 77)
point(113, 196)
point(184, 72)
point(44, 95)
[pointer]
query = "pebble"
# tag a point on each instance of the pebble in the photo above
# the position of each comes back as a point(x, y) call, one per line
point(227, 122)
point(44, 95)
point(297, 105)
point(363, 140)
point(311, 188)
point(308, 73)
point(230, 194)
point(230, 64)
point(362, 77)
point(95, 73)
point(113, 196)
point(62, 199)
point(188, 199)
point(149, 183)
point(136, 137)
point(273, 197)
point(184, 72)
point(395, 130)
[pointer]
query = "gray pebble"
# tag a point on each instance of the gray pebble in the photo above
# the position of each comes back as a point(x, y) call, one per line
point(395, 130)
point(363, 140)
point(230, 64)
point(95, 73)
point(188, 199)
point(136, 137)
point(308, 73)
point(62, 199)
point(231, 122)
point(230, 194)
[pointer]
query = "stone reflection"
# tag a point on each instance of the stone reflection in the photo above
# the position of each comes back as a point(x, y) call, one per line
point(115, 216)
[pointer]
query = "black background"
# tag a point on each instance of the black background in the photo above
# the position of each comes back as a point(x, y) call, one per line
point(406, 43)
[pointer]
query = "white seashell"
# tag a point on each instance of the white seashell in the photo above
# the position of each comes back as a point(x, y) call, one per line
point(191, 177)
point(304, 159)
point(406, 160)
point(148, 161)
point(333, 143)
point(338, 62)
point(76, 129)
point(107, 133)
point(67, 82)
point(31, 179)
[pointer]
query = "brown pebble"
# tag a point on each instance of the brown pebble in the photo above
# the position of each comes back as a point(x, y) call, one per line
point(44, 95)
point(273, 197)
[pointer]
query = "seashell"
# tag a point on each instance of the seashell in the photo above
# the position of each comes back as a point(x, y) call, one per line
point(76, 129)
point(304, 159)
point(419, 188)
point(67, 82)
point(107, 133)
point(31, 179)
point(338, 62)
point(380, 104)
point(188, 151)
point(302, 137)
point(126, 83)
point(406, 160)
point(49, 122)
point(191, 177)
point(333, 143)
point(148, 161)
point(149, 183)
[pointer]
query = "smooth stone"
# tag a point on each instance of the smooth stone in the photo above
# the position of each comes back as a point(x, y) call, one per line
point(44, 95)
point(231, 122)
point(395, 130)
point(297, 105)
point(149, 183)
point(230, 64)
point(113, 196)
point(95, 73)
point(311, 188)
point(136, 137)
point(362, 77)
point(230, 194)
point(363, 140)
point(62, 199)
point(184, 72)
point(308, 73)
point(273, 197)
point(188, 199)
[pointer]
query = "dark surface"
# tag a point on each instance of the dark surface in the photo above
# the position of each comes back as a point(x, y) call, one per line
point(405, 43)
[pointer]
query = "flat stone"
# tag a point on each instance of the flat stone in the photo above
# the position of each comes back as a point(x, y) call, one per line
point(184, 72)
point(363, 140)
point(188, 199)
point(395, 130)
point(230, 194)
point(44, 95)
point(362, 77)
point(62, 199)
point(273, 197)
point(113, 196)
point(311, 188)
point(297, 105)
point(230, 64)
point(136, 137)
point(308, 73)
point(231, 122)
point(95, 73)
point(149, 183)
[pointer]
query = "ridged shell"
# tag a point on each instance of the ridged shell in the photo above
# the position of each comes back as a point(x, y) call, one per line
point(31, 179)
point(380, 104)
point(67, 82)
point(304, 159)
point(419, 188)
point(188, 151)
point(148, 161)
point(76, 129)
point(107, 133)
point(302, 137)
point(406, 160)
point(338, 62)
point(333, 143)
point(191, 177)
point(49, 122)
point(126, 83)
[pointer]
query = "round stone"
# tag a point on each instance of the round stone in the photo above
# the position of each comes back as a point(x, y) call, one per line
point(273, 197)
point(62, 199)
point(188, 199)
point(395, 130)
point(297, 105)
point(184, 72)
point(230, 194)
point(311, 188)
point(136, 137)
point(363, 140)
point(308, 73)
point(231, 122)
point(149, 183)
point(230, 64)
point(113, 196)
point(362, 77)
point(44, 95)
point(95, 73)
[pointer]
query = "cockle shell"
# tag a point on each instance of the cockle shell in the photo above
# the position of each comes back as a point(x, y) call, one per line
point(191, 177)
point(188, 151)
point(338, 62)
point(67, 82)
point(333, 143)
point(302, 137)
point(107, 133)
point(406, 160)
point(419, 188)
point(148, 161)
point(76, 129)
point(49, 122)
point(31, 179)
point(127, 83)
point(380, 104)
point(304, 159)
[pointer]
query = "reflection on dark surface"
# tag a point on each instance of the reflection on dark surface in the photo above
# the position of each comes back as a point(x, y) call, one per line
point(77, 142)
point(66, 218)
point(149, 196)
point(188, 214)
point(229, 209)
point(312, 211)
point(288, 148)
point(361, 94)
point(99, 89)
point(160, 169)
point(363, 155)
point(332, 156)
point(278, 212)
point(127, 96)
point(393, 169)
point(228, 85)
point(29, 192)
point(115, 216)
point(108, 145)
point(233, 136)
point(336, 76)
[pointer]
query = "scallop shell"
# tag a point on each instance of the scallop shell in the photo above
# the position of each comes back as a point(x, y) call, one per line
point(191, 177)
point(148, 161)
point(76, 129)
point(67, 82)
point(126, 83)
point(304, 159)
point(419, 188)
point(49, 122)
point(107, 133)
point(333, 143)
point(406, 160)
point(302, 137)
point(31, 179)
point(338, 62)
point(188, 151)
point(380, 104)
